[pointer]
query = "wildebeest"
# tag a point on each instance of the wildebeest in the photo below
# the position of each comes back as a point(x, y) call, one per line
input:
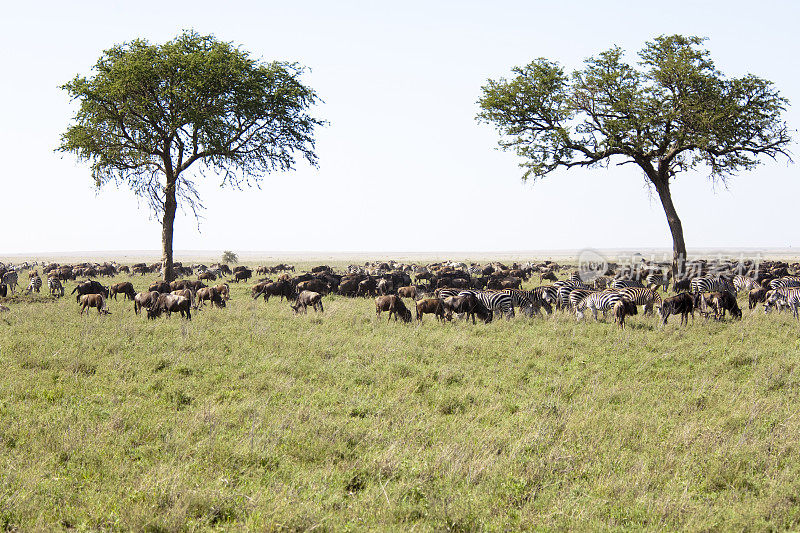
point(394, 304)
point(280, 288)
point(170, 303)
point(312, 285)
point(306, 298)
point(430, 305)
point(208, 276)
point(186, 293)
point(89, 287)
point(719, 302)
point(621, 309)
point(467, 304)
point(210, 294)
point(160, 286)
point(682, 304)
point(144, 300)
point(93, 300)
point(224, 291)
point(125, 288)
point(756, 296)
point(242, 275)
point(407, 292)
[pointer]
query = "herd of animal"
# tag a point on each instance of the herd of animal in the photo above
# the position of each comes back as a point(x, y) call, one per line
point(443, 289)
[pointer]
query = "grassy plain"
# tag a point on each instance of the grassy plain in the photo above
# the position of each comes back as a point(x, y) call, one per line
point(251, 418)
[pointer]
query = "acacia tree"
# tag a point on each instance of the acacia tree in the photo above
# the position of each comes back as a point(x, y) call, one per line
point(673, 113)
point(158, 117)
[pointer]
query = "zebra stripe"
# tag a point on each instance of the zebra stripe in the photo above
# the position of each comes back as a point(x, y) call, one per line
point(710, 284)
point(743, 283)
point(784, 282)
point(642, 296)
point(494, 301)
point(623, 283)
point(597, 301)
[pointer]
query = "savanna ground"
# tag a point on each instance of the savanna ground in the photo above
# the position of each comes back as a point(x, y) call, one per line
point(251, 418)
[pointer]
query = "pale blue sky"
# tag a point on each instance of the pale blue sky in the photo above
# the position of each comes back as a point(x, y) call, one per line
point(403, 164)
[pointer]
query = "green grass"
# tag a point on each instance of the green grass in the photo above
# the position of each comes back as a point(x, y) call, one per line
point(252, 418)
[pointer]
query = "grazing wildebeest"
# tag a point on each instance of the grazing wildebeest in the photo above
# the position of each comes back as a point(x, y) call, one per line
point(622, 309)
point(394, 304)
point(160, 286)
point(682, 304)
point(125, 288)
point(186, 293)
point(366, 287)
point(170, 303)
point(224, 291)
point(281, 288)
point(407, 292)
point(93, 300)
point(144, 300)
point(89, 287)
point(430, 305)
point(384, 287)
point(208, 276)
point(306, 298)
point(242, 275)
point(312, 285)
point(756, 296)
point(467, 304)
point(211, 294)
point(719, 302)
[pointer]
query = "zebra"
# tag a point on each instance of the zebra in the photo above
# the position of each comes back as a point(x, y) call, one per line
point(657, 280)
point(445, 293)
point(564, 288)
point(642, 296)
point(529, 300)
point(55, 287)
point(743, 283)
point(711, 284)
point(597, 301)
point(789, 296)
point(785, 281)
point(576, 296)
point(35, 284)
point(10, 278)
point(622, 283)
point(495, 301)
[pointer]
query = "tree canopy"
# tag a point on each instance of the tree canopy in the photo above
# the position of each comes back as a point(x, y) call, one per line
point(671, 112)
point(156, 117)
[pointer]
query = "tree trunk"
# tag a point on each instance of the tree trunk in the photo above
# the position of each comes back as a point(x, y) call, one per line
point(675, 227)
point(167, 227)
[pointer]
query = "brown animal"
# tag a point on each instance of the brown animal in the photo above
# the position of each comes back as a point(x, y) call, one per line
point(210, 294)
point(188, 294)
point(466, 304)
point(407, 292)
point(170, 303)
point(306, 298)
point(682, 304)
point(756, 296)
point(144, 300)
point(208, 276)
point(622, 309)
point(160, 286)
point(432, 306)
point(224, 291)
point(125, 288)
point(94, 300)
point(394, 304)
point(312, 285)
point(242, 275)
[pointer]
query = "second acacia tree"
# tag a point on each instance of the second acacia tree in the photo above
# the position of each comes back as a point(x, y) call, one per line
point(671, 112)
